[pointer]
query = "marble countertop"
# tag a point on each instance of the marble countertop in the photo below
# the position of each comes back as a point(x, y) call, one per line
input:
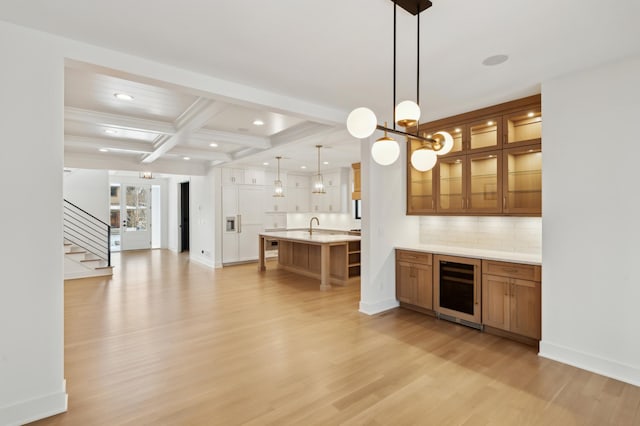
point(504, 256)
point(315, 238)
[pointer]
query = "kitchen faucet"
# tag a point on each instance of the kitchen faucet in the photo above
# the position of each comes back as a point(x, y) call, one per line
point(311, 224)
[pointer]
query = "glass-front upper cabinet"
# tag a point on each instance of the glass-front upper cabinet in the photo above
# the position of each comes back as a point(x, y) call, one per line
point(484, 191)
point(523, 127)
point(485, 134)
point(451, 184)
point(421, 188)
point(459, 134)
point(522, 180)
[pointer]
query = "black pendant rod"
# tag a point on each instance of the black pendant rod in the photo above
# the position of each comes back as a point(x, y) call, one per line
point(428, 141)
point(418, 64)
point(395, 7)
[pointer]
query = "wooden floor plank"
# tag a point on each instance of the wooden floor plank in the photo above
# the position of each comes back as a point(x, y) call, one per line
point(169, 342)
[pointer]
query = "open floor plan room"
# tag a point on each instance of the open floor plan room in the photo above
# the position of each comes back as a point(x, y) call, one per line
point(168, 341)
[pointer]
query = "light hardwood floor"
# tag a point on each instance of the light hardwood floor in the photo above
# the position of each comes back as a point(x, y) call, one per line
point(169, 342)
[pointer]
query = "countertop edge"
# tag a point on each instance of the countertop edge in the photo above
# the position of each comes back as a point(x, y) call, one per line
point(502, 256)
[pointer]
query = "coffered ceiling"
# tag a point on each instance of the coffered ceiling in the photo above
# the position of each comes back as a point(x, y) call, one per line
point(333, 54)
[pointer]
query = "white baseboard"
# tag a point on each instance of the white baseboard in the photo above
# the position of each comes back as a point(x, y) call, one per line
point(203, 261)
point(377, 307)
point(34, 409)
point(605, 367)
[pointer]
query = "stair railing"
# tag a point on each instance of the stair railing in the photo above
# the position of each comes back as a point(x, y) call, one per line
point(87, 231)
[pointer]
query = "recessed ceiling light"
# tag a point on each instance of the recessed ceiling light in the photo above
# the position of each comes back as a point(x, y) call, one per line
point(303, 167)
point(325, 163)
point(489, 123)
point(213, 145)
point(111, 132)
point(458, 130)
point(186, 158)
point(530, 115)
point(265, 164)
point(258, 122)
point(104, 150)
point(495, 60)
point(123, 96)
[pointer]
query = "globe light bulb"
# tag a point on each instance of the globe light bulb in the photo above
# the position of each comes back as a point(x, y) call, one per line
point(407, 113)
point(385, 151)
point(447, 145)
point(361, 123)
point(423, 159)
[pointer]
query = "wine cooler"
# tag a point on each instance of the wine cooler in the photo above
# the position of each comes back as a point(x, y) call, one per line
point(457, 289)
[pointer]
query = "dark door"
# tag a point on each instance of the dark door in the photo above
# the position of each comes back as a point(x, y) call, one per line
point(184, 214)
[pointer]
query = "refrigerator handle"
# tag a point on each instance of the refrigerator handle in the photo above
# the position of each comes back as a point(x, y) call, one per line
point(239, 223)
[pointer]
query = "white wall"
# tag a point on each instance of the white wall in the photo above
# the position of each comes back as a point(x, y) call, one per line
point(31, 298)
point(591, 233)
point(202, 219)
point(89, 190)
point(384, 225)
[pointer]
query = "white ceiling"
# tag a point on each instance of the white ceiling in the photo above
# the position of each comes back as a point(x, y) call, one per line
point(334, 53)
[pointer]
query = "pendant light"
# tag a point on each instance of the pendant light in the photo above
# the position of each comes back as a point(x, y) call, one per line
point(362, 122)
point(318, 184)
point(278, 189)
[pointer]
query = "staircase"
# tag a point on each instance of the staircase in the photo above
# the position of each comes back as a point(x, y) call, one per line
point(87, 251)
point(79, 263)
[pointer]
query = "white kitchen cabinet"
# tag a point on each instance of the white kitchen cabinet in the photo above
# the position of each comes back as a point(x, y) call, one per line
point(232, 176)
point(243, 219)
point(254, 177)
point(275, 221)
point(298, 193)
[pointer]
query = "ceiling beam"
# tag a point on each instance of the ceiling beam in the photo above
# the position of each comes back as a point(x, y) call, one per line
point(194, 118)
point(72, 141)
point(118, 121)
point(208, 135)
point(201, 154)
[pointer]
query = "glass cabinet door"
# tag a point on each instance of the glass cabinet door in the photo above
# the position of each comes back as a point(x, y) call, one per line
point(485, 134)
point(451, 184)
point(524, 126)
point(485, 191)
point(421, 188)
point(523, 180)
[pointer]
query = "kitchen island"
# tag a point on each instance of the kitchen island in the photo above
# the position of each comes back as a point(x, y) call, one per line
point(331, 257)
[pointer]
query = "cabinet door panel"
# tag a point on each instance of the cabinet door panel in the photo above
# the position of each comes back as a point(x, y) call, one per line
point(485, 183)
point(525, 308)
point(522, 180)
point(485, 134)
point(424, 286)
point(451, 184)
point(405, 283)
point(496, 310)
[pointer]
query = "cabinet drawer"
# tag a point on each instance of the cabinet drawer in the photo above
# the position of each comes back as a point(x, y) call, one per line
point(514, 270)
point(414, 257)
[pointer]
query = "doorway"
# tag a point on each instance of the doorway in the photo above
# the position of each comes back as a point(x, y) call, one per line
point(184, 216)
point(130, 211)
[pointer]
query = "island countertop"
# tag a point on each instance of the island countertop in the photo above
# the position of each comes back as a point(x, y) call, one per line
point(318, 237)
point(330, 256)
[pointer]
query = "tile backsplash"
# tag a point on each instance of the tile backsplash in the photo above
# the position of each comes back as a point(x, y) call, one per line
point(517, 234)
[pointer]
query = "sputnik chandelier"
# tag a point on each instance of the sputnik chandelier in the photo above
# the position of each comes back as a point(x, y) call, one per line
point(362, 122)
